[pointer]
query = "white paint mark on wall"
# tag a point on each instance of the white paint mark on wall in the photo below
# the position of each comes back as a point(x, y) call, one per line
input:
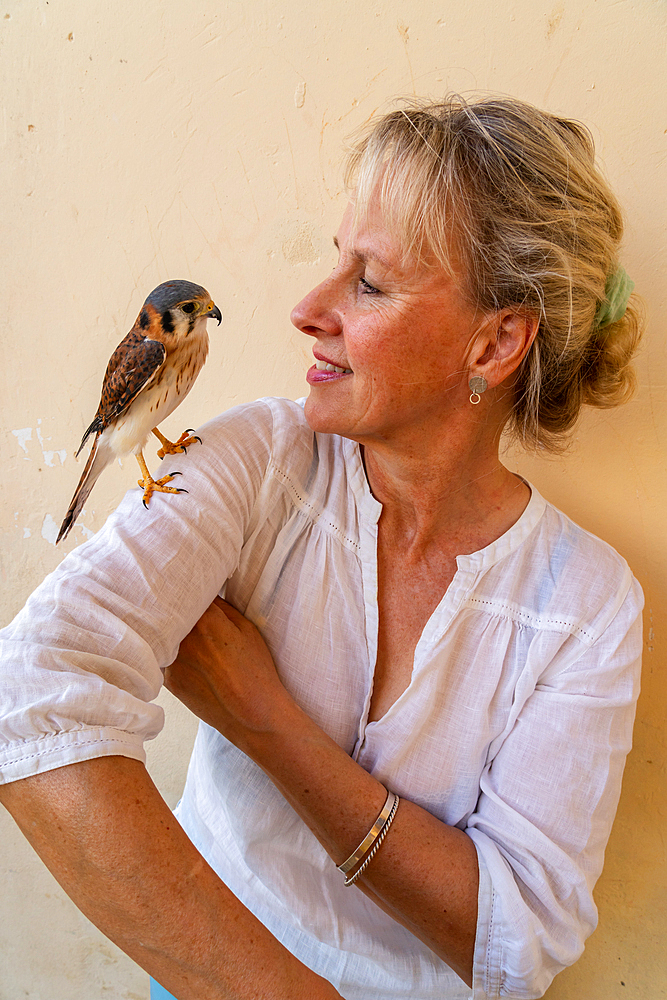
point(87, 533)
point(48, 455)
point(49, 529)
point(27, 532)
point(300, 94)
point(23, 436)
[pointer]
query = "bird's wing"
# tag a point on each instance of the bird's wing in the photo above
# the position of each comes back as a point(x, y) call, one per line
point(132, 367)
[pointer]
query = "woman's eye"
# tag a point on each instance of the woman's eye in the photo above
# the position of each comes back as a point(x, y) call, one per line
point(367, 287)
point(189, 307)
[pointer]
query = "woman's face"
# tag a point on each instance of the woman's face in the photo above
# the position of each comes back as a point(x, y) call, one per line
point(399, 333)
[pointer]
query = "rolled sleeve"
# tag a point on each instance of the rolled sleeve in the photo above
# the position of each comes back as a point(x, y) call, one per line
point(83, 661)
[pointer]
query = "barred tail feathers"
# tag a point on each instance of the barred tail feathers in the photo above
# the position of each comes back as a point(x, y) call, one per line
point(98, 459)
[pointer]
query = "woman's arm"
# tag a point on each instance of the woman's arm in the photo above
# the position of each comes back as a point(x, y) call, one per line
point(425, 875)
point(108, 837)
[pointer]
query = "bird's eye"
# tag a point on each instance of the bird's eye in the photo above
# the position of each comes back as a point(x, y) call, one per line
point(189, 307)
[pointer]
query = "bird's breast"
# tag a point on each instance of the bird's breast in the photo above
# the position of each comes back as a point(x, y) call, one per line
point(154, 404)
point(176, 377)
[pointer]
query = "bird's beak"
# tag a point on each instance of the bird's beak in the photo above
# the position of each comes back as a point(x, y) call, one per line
point(212, 312)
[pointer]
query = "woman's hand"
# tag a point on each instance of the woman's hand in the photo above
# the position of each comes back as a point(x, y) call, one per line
point(225, 674)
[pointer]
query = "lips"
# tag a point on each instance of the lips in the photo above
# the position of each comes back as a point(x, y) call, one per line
point(316, 374)
point(326, 370)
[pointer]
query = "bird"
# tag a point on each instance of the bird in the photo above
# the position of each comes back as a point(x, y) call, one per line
point(150, 372)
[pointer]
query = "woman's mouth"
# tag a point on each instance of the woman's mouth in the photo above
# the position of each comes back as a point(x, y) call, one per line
point(325, 371)
point(326, 366)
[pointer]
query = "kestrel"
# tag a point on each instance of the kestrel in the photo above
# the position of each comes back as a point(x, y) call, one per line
point(148, 375)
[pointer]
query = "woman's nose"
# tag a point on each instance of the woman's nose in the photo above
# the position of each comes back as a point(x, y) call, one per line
point(316, 312)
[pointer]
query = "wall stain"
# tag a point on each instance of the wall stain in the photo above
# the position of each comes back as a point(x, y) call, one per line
point(555, 18)
point(404, 32)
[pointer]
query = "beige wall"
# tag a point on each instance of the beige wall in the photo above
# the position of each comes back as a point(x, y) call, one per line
point(146, 141)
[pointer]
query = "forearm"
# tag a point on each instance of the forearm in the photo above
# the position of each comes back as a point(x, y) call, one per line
point(426, 873)
point(108, 837)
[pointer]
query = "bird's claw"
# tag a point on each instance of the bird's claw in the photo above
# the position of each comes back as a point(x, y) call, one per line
point(158, 486)
point(187, 438)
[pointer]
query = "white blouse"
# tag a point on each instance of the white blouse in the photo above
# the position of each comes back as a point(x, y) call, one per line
point(515, 725)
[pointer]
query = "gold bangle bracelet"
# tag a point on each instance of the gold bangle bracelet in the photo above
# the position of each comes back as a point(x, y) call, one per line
point(371, 836)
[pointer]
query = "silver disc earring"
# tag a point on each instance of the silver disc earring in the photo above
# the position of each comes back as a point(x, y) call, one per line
point(478, 385)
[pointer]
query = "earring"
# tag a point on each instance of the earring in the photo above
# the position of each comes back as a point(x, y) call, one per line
point(478, 384)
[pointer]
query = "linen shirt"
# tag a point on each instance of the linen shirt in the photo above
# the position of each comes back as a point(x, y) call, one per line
point(514, 727)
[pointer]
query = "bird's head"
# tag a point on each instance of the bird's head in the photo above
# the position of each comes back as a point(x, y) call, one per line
point(175, 306)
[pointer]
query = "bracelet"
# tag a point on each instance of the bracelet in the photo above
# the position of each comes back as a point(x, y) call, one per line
point(353, 878)
point(372, 835)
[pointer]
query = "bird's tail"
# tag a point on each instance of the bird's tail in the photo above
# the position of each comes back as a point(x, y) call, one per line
point(97, 462)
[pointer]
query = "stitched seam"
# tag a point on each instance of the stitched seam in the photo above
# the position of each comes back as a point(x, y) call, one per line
point(311, 510)
point(66, 746)
point(529, 618)
point(488, 940)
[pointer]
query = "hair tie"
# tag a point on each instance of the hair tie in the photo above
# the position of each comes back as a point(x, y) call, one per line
point(617, 292)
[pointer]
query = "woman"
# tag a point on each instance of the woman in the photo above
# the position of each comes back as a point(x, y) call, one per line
point(442, 700)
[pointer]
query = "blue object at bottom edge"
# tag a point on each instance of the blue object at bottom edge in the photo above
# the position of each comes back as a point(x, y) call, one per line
point(159, 993)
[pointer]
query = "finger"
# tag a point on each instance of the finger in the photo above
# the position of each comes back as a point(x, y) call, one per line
point(168, 681)
point(220, 618)
point(234, 616)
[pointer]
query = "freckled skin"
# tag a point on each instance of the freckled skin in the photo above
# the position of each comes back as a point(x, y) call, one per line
point(149, 373)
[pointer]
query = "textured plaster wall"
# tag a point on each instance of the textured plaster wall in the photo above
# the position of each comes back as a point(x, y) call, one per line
point(202, 140)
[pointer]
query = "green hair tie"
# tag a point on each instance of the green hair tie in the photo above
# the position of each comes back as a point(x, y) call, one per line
point(617, 291)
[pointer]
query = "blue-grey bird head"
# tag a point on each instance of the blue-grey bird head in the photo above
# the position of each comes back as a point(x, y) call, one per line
point(180, 293)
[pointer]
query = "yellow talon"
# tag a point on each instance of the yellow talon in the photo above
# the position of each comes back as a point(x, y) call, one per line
point(175, 447)
point(151, 486)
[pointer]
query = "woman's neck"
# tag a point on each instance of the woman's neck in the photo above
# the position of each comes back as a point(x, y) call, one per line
point(454, 494)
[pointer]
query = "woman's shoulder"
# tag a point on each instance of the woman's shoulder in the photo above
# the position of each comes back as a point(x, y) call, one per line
point(585, 571)
point(276, 429)
point(263, 426)
point(561, 533)
point(265, 416)
point(559, 576)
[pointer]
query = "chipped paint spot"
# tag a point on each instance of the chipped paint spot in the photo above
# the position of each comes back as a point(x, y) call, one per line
point(300, 94)
point(86, 532)
point(299, 249)
point(23, 435)
point(49, 529)
point(27, 532)
point(48, 455)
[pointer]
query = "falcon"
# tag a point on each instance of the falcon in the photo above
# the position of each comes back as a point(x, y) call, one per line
point(148, 375)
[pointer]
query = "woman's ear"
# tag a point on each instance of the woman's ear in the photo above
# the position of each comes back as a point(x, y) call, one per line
point(507, 337)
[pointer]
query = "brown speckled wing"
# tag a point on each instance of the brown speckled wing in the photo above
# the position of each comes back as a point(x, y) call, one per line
point(131, 367)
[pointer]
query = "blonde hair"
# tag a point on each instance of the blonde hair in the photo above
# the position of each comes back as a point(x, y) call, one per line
point(536, 226)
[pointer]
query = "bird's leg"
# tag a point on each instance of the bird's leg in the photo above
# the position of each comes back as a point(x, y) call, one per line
point(173, 447)
point(150, 485)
